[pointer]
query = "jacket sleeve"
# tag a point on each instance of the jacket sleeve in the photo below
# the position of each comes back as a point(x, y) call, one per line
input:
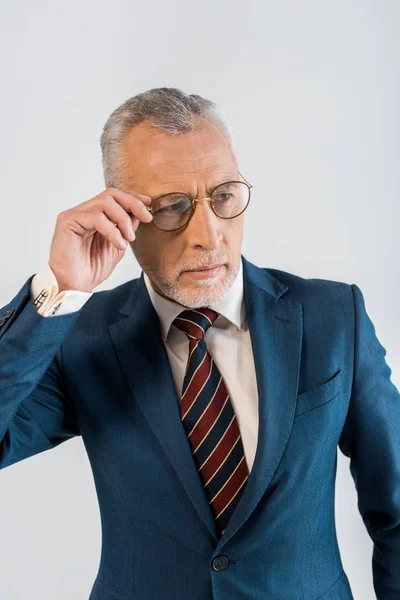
point(36, 413)
point(371, 439)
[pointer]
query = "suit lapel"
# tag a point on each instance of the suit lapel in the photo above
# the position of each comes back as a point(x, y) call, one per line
point(275, 326)
point(141, 353)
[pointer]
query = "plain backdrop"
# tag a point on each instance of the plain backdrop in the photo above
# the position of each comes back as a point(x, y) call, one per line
point(312, 91)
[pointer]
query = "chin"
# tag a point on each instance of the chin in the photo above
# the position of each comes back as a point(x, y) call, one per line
point(195, 294)
point(201, 293)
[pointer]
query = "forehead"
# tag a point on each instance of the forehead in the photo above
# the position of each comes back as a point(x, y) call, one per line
point(152, 154)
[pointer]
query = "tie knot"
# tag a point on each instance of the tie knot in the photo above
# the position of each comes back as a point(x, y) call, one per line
point(195, 321)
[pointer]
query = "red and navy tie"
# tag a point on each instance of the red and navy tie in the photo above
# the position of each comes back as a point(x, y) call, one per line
point(209, 420)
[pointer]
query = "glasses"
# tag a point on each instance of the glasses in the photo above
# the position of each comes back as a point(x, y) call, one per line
point(173, 211)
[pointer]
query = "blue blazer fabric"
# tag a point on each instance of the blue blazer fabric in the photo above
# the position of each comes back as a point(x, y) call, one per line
point(102, 373)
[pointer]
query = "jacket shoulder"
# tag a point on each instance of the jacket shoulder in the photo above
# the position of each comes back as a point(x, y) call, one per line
point(315, 290)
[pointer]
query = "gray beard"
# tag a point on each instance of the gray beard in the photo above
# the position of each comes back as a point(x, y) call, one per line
point(206, 294)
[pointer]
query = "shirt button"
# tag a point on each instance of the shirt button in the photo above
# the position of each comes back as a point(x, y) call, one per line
point(220, 563)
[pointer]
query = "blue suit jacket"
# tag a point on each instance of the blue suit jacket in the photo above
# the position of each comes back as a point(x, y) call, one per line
point(102, 372)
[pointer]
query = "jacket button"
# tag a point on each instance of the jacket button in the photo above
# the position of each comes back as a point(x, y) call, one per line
point(8, 313)
point(220, 563)
point(2, 321)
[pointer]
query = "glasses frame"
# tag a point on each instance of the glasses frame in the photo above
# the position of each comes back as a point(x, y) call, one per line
point(208, 199)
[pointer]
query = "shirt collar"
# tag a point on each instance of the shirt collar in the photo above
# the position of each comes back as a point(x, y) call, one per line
point(231, 306)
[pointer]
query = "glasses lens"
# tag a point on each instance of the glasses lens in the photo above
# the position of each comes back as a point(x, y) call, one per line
point(230, 199)
point(171, 211)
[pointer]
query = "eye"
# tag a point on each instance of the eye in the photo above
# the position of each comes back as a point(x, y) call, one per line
point(172, 203)
point(222, 196)
point(176, 207)
point(225, 192)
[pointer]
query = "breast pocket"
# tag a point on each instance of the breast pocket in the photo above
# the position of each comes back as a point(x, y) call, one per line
point(319, 395)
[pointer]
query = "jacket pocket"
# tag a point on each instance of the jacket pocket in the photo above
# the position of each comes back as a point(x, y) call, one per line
point(319, 395)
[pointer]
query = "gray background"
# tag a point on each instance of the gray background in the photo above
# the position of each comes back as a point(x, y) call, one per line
point(312, 91)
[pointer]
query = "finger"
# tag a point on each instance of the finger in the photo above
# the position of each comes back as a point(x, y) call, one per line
point(120, 217)
point(132, 204)
point(97, 220)
point(135, 223)
point(146, 199)
point(123, 217)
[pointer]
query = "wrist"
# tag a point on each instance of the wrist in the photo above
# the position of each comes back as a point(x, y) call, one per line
point(64, 286)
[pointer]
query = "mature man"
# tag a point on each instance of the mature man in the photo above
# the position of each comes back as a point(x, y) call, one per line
point(211, 394)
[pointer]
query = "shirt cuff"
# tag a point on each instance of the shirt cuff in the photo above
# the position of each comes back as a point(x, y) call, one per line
point(49, 301)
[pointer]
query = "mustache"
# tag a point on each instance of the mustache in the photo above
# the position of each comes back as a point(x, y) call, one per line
point(206, 263)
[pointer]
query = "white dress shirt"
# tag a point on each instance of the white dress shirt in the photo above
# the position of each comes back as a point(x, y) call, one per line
point(228, 341)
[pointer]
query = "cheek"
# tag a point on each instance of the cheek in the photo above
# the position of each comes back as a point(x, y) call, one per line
point(149, 236)
point(149, 248)
point(233, 232)
point(145, 244)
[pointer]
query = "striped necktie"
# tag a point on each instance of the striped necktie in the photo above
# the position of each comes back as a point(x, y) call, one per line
point(209, 420)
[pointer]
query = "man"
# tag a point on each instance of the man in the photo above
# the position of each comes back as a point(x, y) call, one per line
point(211, 394)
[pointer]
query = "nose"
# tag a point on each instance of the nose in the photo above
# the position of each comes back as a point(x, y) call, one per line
point(204, 228)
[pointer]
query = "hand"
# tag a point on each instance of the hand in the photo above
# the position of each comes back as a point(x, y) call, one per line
point(90, 239)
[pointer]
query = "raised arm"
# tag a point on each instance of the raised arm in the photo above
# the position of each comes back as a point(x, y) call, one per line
point(35, 411)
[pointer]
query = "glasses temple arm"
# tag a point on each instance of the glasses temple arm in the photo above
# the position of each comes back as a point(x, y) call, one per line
point(249, 184)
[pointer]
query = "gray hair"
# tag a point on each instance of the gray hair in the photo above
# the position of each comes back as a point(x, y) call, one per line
point(168, 109)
